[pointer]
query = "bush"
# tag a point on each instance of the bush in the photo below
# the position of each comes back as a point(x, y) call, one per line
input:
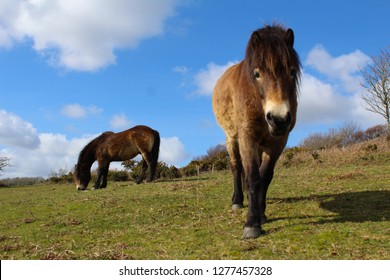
point(289, 154)
point(191, 169)
point(118, 176)
point(216, 159)
point(21, 181)
point(376, 131)
point(346, 135)
point(162, 170)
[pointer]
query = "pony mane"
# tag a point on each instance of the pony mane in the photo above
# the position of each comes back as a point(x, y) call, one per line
point(87, 154)
point(271, 50)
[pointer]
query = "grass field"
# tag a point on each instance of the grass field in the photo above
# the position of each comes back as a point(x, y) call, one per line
point(335, 205)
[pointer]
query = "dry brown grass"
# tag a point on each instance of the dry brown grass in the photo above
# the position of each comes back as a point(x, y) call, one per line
point(360, 154)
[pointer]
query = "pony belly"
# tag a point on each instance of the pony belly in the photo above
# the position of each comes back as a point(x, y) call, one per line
point(123, 153)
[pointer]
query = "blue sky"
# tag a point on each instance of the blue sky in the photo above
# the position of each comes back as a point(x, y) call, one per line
point(69, 71)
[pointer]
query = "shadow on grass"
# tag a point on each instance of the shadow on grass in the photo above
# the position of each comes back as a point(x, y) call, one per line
point(373, 206)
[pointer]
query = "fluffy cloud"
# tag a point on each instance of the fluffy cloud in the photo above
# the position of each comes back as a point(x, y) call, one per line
point(172, 151)
point(16, 132)
point(344, 68)
point(76, 111)
point(120, 121)
point(336, 97)
point(206, 79)
point(55, 152)
point(82, 35)
point(319, 102)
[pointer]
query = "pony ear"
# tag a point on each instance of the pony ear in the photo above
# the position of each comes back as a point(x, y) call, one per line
point(256, 38)
point(289, 37)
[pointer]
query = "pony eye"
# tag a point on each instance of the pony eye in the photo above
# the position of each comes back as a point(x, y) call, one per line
point(257, 74)
point(293, 73)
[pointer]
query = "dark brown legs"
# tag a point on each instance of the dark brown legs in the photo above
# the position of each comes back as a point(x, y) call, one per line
point(102, 173)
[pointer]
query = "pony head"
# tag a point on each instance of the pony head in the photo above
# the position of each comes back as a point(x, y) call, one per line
point(273, 67)
point(81, 176)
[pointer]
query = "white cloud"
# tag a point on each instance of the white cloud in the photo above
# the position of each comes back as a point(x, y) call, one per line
point(344, 68)
point(76, 111)
point(55, 152)
point(16, 132)
point(321, 103)
point(206, 79)
point(172, 151)
point(120, 121)
point(82, 35)
point(336, 97)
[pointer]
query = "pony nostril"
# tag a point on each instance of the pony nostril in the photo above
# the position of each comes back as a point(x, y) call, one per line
point(288, 118)
point(269, 116)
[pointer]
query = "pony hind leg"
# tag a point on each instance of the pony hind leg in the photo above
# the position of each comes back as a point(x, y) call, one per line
point(266, 175)
point(144, 168)
point(151, 162)
point(104, 176)
point(152, 169)
point(236, 168)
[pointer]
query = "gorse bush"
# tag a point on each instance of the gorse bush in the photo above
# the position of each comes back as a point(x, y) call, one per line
point(216, 159)
point(118, 176)
point(163, 171)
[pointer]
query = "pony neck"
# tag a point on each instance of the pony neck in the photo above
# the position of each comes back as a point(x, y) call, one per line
point(87, 156)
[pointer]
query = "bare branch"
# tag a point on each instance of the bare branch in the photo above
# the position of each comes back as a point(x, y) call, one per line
point(376, 82)
point(4, 162)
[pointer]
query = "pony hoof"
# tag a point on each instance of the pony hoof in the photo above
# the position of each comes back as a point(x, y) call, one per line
point(237, 206)
point(251, 232)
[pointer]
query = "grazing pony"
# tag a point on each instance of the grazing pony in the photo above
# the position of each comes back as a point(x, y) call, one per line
point(255, 103)
point(110, 146)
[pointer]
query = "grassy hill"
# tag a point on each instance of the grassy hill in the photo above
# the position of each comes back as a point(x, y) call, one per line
point(331, 204)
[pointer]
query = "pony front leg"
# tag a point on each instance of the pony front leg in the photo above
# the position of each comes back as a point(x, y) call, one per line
point(98, 180)
point(101, 181)
point(251, 163)
point(252, 228)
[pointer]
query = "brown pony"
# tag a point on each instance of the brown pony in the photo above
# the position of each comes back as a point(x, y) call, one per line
point(110, 146)
point(255, 102)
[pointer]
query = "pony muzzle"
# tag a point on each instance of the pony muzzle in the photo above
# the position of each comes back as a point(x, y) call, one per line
point(81, 188)
point(279, 125)
point(279, 118)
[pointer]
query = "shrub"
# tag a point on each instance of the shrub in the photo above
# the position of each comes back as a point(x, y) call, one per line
point(216, 159)
point(346, 135)
point(118, 176)
point(376, 131)
point(162, 170)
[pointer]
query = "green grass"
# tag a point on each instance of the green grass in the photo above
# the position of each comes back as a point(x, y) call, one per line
point(315, 211)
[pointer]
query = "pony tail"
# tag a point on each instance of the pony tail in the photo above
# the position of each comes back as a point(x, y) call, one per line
point(156, 146)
